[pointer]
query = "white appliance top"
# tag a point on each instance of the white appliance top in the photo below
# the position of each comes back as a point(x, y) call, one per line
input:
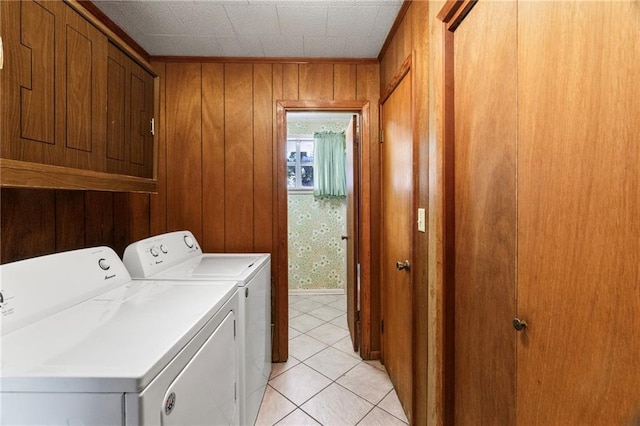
point(114, 341)
point(177, 256)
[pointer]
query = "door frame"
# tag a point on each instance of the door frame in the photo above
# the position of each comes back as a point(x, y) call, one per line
point(280, 296)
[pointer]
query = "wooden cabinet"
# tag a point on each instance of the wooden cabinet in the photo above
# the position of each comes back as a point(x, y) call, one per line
point(542, 121)
point(129, 115)
point(55, 82)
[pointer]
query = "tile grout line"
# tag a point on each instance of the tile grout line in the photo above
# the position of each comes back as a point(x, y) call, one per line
point(332, 381)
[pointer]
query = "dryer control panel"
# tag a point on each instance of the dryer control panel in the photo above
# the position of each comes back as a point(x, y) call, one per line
point(154, 255)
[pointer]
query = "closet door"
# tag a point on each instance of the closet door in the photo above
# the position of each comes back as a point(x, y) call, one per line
point(397, 182)
point(579, 212)
point(482, 205)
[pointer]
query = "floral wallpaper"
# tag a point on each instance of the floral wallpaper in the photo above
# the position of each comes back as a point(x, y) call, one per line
point(311, 126)
point(316, 250)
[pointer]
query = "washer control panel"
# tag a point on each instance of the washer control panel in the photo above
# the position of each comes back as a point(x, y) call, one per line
point(154, 255)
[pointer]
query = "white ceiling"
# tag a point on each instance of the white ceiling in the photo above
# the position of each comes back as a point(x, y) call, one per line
point(256, 28)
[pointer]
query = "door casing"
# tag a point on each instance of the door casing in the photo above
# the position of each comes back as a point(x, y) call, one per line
point(280, 291)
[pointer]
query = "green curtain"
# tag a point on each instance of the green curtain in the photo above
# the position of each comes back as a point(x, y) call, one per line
point(330, 178)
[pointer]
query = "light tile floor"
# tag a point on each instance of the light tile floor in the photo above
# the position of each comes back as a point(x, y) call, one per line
point(325, 382)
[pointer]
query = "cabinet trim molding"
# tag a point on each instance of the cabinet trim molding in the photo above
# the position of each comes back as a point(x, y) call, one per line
point(23, 174)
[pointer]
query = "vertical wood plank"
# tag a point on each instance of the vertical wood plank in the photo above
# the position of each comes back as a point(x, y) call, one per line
point(407, 38)
point(239, 177)
point(262, 155)
point(121, 222)
point(344, 82)
point(28, 223)
point(98, 221)
point(279, 284)
point(158, 202)
point(213, 158)
point(69, 228)
point(316, 82)
point(419, 12)
point(139, 215)
point(436, 384)
point(290, 87)
point(368, 88)
point(184, 147)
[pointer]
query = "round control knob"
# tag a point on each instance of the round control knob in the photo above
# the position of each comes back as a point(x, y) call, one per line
point(103, 264)
point(189, 241)
point(153, 252)
point(164, 249)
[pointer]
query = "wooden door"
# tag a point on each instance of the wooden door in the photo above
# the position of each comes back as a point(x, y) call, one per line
point(353, 237)
point(484, 187)
point(579, 212)
point(397, 231)
point(532, 82)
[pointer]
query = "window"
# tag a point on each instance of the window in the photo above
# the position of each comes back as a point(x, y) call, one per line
point(300, 164)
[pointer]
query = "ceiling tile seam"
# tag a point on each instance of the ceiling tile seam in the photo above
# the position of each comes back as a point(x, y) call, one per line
point(234, 30)
point(373, 27)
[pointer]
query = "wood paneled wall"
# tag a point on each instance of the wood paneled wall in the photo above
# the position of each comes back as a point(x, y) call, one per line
point(412, 38)
point(36, 222)
point(216, 170)
point(219, 142)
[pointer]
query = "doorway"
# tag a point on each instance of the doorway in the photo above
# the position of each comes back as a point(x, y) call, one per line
point(316, 216)
point(290, 172)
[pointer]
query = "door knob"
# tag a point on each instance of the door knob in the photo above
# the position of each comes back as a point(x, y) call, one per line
point(402, 265)
point(344, 237)
point(519, 324)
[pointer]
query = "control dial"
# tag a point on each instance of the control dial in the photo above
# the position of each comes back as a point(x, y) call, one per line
point(164, 249)
point(189, 241)
point(103, 264)
point(154, 252)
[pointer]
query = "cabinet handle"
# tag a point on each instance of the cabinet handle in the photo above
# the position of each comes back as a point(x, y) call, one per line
point(153, 127)
point(519, 324)
point(403, 265)
point(1, 54)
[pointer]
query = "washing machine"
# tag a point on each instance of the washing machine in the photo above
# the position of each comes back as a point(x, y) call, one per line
point(83, 344)
point(178, 256)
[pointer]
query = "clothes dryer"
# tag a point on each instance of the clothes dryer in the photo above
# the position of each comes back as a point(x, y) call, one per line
point(178, 256)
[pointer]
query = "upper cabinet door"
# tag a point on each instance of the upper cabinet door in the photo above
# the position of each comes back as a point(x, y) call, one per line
point(54, 86)
point(72, 99)
point(29, 32)
point(83, 80)
point(129, 113)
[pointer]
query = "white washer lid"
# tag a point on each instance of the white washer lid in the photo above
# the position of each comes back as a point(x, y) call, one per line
point(115, 342)
point(239, 267)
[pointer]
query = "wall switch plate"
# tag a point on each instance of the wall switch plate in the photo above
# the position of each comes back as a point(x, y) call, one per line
point(422, 226)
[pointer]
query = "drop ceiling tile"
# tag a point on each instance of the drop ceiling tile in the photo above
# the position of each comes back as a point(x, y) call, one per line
point(327, 47)
point(249, 46)
point(351, 21)
point(253, 20)
point(395, 3)
point(363, 47)
point(298, 20)
point(384, 20)
point(275, 47)
point(206, 18)
point(155, 18)
point(180, 46)
point(117, 11)
point(356, 28)
point(311, 3)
